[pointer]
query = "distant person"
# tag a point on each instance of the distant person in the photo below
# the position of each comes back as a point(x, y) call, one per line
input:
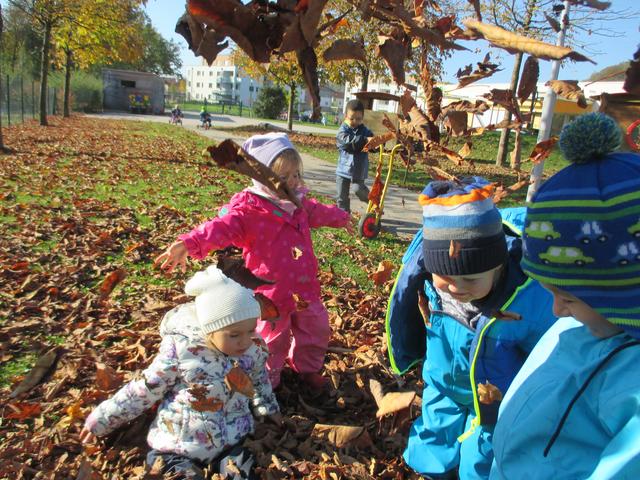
point(323, 120)
point(353, 163)
point(203, 414)
point(573, 410)
point(275, 237)
point(205, 118)
point(176, 115)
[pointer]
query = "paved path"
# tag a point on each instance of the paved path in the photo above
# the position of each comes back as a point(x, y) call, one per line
point(402, 214)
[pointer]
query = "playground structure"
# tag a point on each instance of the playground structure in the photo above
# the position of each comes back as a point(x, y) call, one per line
point(139, 103)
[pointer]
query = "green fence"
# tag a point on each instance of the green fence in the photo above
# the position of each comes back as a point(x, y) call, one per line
point(20, 99)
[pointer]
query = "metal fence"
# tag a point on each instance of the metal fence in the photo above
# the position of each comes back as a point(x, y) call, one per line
point(20, 99)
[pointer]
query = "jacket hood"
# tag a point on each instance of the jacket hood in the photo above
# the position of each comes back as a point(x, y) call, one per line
point(182, 320)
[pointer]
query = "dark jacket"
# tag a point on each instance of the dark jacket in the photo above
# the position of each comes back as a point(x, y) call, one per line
point(353, 163)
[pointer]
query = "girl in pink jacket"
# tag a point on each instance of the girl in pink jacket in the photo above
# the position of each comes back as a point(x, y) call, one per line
point(275, 238)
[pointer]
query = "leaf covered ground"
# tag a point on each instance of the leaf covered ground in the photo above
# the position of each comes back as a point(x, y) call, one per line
point(85, 205)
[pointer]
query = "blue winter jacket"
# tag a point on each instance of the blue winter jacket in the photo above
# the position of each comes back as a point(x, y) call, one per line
point(573, 410)
point(353, 163)
point(499, 347)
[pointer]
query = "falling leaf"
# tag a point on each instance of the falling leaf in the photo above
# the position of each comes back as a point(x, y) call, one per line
point(110, 282)
point(456, 123)
point(394, 402)
point(342, 435)
point(345, 49)
point(268, 309)
point(485, 69)
point(232, 265)
point(454, 249)
point(394, 53)
point(37, 373)
point(488, 393)
point(383, 273)
point(202, 402)
point(555, 24)
point(238, 381)
point(568, 89)
point(528, 79)
point(542, 150)
point(514, 43)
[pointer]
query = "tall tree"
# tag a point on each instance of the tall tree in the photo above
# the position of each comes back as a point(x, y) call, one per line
point(1, 49)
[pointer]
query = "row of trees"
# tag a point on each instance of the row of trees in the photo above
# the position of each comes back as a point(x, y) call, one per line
point(37, 36)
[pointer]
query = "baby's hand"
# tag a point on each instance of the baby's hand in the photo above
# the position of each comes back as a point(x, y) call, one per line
point(174, 256)
point(86, 436)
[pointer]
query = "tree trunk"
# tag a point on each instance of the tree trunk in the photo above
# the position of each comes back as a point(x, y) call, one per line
point(516, 154)
point(44, 72)
point(503, 147)
point(2, 48)
point(292, 98)
point(504, 136)
point(67, 84)
point(365, 79)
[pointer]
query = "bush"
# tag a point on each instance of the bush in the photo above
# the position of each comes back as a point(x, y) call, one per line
point(86, 90)
point(270, 103)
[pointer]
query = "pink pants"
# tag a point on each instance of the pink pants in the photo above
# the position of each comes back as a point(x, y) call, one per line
point(301, 339)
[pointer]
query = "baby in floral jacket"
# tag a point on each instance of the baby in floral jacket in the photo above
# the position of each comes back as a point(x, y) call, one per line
point(211, 379)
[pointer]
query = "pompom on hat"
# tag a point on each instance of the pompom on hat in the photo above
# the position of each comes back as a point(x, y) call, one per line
point(462, 212)
point(582, 231)
point(266, 148)
point(220, 301)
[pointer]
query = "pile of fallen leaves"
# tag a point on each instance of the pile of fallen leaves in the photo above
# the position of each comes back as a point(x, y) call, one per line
point(81, 296)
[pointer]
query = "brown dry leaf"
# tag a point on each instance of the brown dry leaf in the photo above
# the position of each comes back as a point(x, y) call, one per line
point(203, 403)
point(238, 381)
point(345, 49)
point(22, 410)
point(394, 402)
point(568, 89)
point(456, 123)
point(376, 391)
point(488, 393)
point(107, 378)
point(465, 151)
point(342, 435)
point(514, 43)
point(542, 150)
point(454, 249)
point(229, 155)
point(383, 273)
point(37, 373)
point(110, 282)
point(394, 53)
point(232, 265)
point(308, 63)
point(505, 99)
point(500, 193)
point(555, 24)
point(528, 79)
point(425, 310)
point(268, 309)
point(375, 142)
point(632, 75)
point(485, 69)
point(478, 106)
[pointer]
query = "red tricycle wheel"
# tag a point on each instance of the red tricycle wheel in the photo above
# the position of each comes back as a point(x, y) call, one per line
point(369, 227)
point(633, 136)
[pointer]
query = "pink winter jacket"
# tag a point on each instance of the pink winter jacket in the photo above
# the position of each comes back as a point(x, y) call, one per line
point(275, 245)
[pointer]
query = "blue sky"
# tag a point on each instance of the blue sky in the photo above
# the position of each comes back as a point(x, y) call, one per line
point(606, 51)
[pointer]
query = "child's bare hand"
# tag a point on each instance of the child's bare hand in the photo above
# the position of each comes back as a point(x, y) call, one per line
point(174, 256)
point(86, 436)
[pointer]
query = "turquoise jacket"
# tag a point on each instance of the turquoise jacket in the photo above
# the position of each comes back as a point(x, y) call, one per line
point(591, 383)
point(456, 358)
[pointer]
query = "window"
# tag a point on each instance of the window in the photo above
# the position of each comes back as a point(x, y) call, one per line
point(198, 85)
point(210, 85)
point(251, 88)
point(210, 73)
point(128, 83)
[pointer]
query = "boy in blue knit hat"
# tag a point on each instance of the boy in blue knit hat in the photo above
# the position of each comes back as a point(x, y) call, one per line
point(573, 411)
point(480, 318)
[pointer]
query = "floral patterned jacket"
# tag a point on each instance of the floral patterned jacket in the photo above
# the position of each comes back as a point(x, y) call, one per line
point(199, 414)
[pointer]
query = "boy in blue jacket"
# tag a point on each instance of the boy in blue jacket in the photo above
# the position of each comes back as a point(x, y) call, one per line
point(573, 411)
point(480, 318)
point(353, 163)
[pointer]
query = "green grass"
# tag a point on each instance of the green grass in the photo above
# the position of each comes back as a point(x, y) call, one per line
point(13, 368)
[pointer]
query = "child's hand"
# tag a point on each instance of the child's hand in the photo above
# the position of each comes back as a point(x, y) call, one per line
point(174, 256)
point(86, 436)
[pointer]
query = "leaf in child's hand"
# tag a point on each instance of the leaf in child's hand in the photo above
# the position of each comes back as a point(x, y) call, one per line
point(238, 381)
point(488, 393)
point(110, 282)
point(505, 315)
point(454, 249)
point(383, 273)
point(202, 403)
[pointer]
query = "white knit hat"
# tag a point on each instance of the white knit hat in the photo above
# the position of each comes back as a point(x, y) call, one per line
point(220, 301)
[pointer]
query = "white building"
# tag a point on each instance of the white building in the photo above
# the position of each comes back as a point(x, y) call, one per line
point(222, 81)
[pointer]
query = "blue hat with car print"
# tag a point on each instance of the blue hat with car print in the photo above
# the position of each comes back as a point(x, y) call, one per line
point(582, 231)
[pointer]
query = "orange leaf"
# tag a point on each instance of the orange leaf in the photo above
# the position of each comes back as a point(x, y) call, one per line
point(107, 378)
point(238, 381)
point(488, 393)
point(542, 150)
point(110, 282)
point(383, 273)
point(23, 410)
point(454, 249)
point(202, 403)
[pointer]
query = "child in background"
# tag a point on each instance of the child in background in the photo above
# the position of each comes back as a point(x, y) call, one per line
point(573, 411)
point(202, 418)
point(469, 270)
point(275, 238)
point(353, 163)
